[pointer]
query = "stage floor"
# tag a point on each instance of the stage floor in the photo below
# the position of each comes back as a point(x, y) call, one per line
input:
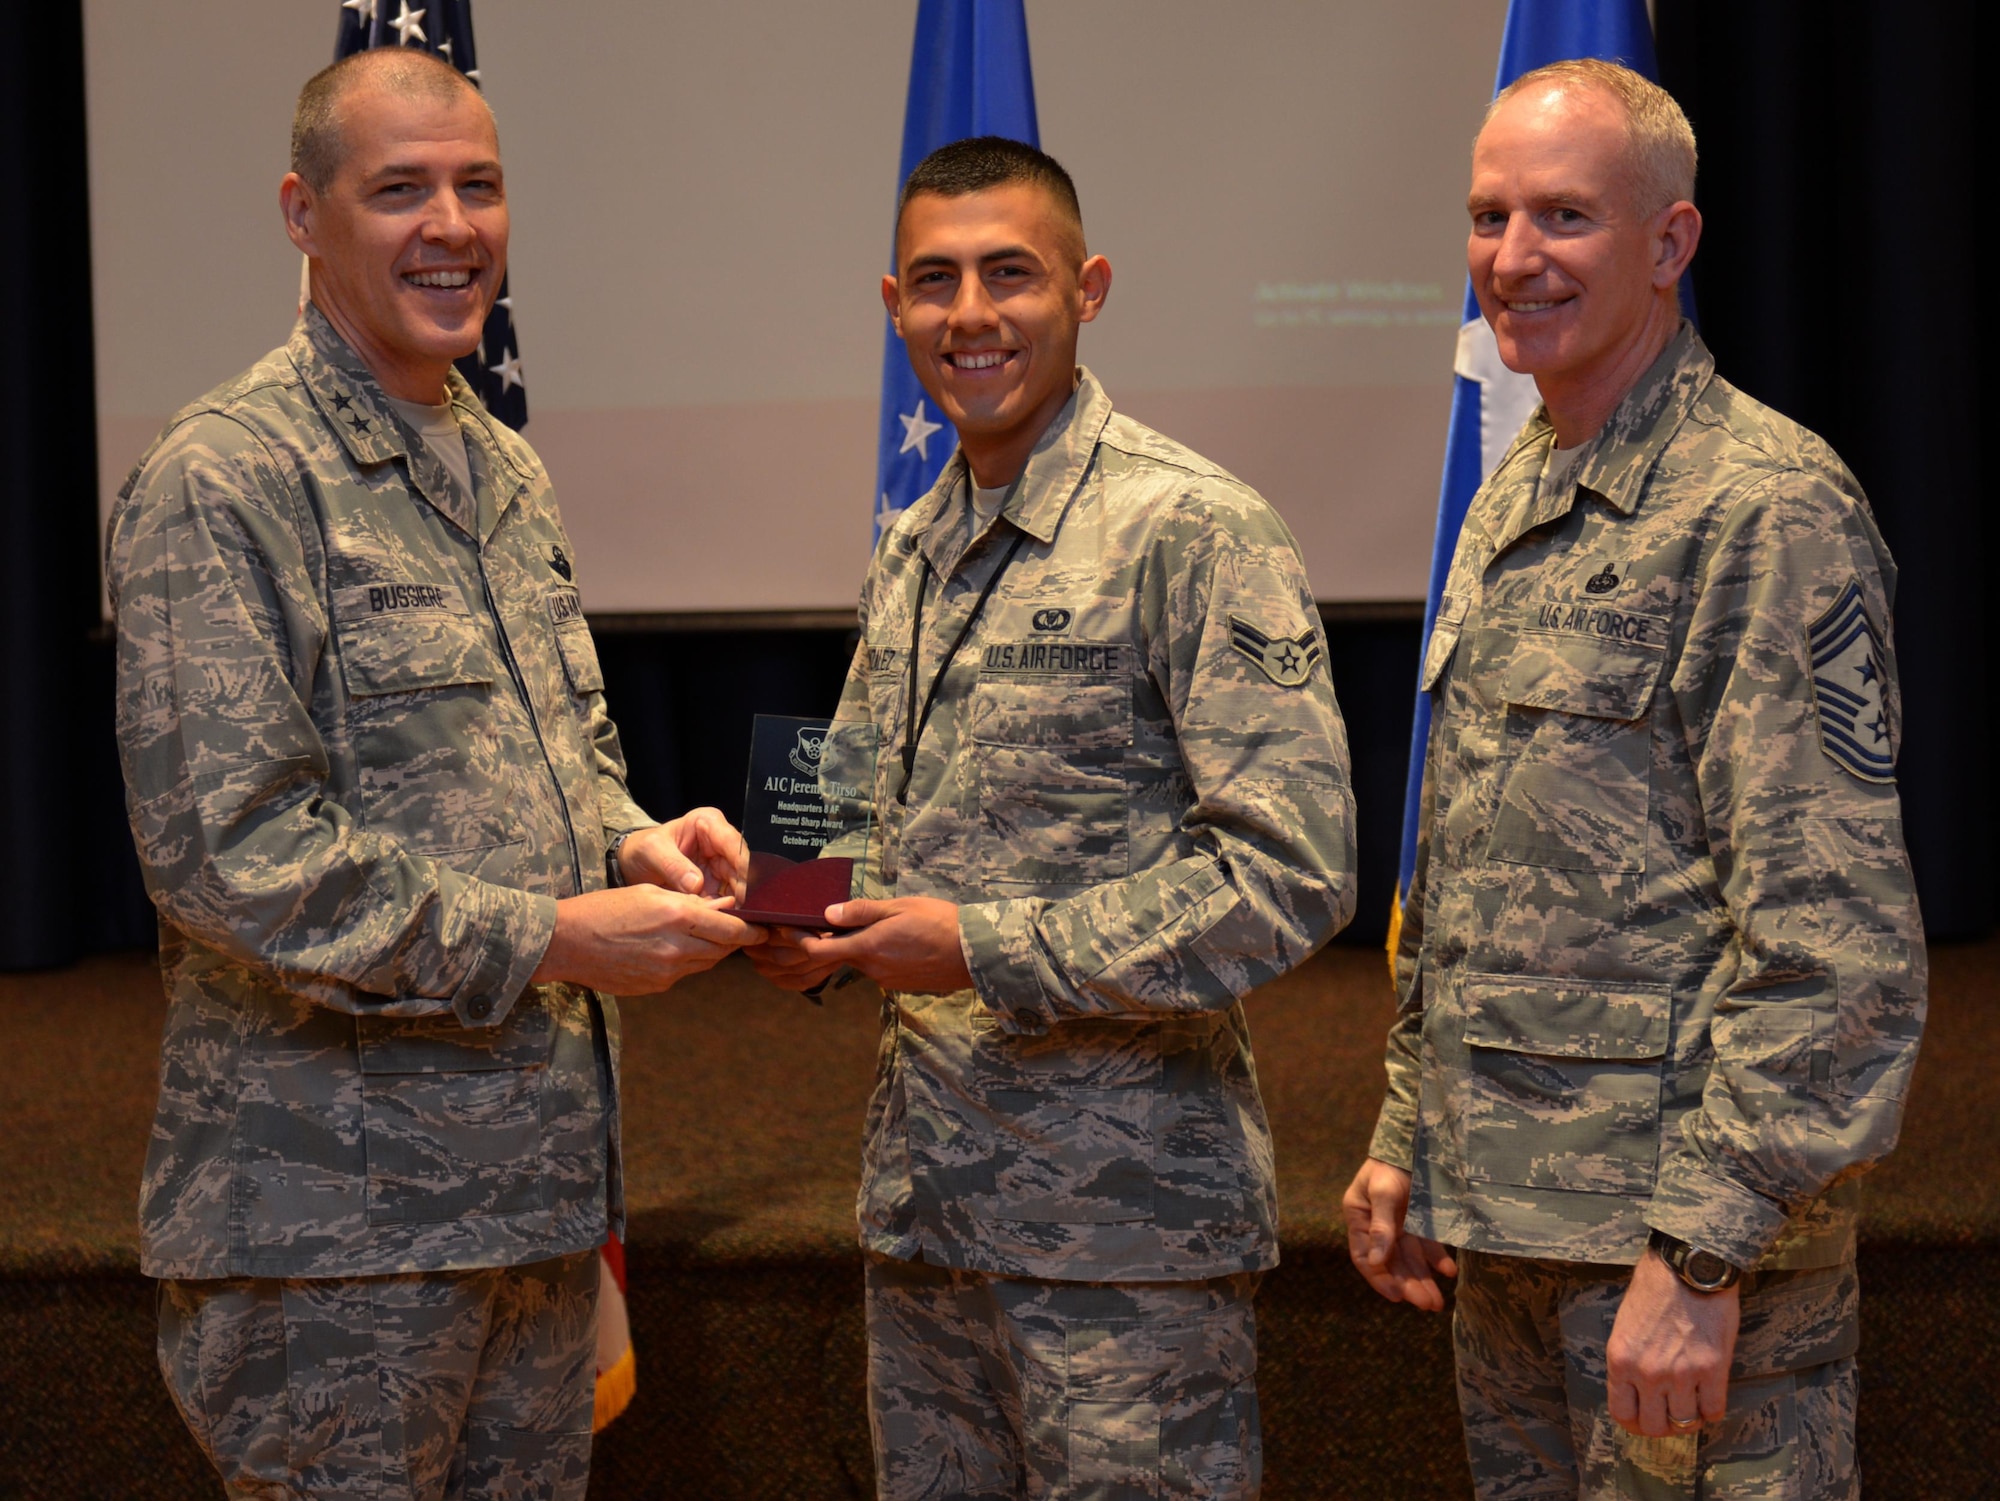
point(743, 1111)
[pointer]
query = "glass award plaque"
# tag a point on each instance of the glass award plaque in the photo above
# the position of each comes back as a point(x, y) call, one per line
point(808, 806)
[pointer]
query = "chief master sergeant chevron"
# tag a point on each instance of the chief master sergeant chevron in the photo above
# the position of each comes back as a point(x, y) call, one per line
point(1114, 796)
point(377, 799)
point(1662, 978)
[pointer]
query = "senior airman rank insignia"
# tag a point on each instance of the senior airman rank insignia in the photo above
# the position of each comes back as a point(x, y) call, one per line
point(1286, 660)
point(1847, 681)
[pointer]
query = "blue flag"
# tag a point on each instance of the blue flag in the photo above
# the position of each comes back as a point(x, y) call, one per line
point(969, 76)
point(445, 28)
point(1490, 402)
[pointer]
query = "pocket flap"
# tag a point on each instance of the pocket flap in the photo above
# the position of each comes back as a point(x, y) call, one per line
point(579, 654)
point(442, 1045)
point(1444, 638)
point(404, 653)
point(1584, 675)
point(1566, 1018)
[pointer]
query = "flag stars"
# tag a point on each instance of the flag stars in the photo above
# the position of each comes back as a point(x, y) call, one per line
point(508, 372)
point(917, 430)
point(408, 23)
point(364, 12)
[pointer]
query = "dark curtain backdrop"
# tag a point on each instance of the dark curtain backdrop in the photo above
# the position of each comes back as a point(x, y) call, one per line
point(1840, 166)
point(1835, 281)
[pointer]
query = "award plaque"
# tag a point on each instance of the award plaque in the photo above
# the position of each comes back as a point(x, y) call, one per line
point(808, 806)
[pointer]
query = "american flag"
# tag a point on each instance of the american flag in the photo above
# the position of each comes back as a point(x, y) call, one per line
point(445, 28)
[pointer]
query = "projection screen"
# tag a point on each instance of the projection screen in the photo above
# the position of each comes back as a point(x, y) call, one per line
point(701, 203)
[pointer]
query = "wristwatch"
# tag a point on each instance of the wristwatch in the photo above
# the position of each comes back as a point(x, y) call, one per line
point(614, 873)
point(1704, 1271)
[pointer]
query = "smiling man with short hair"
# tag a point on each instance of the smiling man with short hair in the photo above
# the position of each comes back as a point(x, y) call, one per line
point(382, 812)
point(1661, 971)
point(1114, 799)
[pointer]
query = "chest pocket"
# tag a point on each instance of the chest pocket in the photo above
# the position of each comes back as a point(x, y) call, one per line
point(1579, 740)
point(420, 711)
point(1050, 757)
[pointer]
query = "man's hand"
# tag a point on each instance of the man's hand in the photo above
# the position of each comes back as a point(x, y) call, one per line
point(910, 943)
point(1402, 1268)
point(640, 939)
point(699, 852)
point(1668, 1360)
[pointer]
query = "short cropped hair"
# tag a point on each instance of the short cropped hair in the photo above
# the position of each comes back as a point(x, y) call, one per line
point(978, 163)
point(1660, 151)
point(318, 146)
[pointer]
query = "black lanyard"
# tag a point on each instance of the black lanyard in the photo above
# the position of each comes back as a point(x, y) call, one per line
point(913, 725)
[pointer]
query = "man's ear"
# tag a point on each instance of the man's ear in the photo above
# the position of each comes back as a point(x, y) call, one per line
point(1093, 280)
point(1676, 233)
point(892, 300)
point(298, 203)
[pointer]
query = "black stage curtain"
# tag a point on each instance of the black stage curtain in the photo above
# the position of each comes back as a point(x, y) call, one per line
point(68, 879)
point(1840, 162)
point(1836, 282)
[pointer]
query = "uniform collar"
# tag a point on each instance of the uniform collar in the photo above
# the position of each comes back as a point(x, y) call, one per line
point(1630, 442)
point(354, 405)
point(1618, 459)
point(1055, 470)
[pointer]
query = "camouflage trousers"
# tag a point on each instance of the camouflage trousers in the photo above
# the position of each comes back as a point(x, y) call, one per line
point(1531, 1335)
point(435, 1385)
point(989, 1387)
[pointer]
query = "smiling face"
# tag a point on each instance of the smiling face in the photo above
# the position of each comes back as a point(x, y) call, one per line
point(409, 239)
point(1576, 279)
point(989, 291)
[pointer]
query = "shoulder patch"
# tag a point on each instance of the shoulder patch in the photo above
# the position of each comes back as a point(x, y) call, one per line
point(1286, 660)
point(1847, 681)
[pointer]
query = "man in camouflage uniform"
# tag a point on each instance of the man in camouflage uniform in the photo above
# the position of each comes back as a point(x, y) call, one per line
point(1661, 972)
point(377, 799)
point(1123, 805)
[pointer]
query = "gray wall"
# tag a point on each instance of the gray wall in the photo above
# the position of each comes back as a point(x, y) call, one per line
point(702, 196)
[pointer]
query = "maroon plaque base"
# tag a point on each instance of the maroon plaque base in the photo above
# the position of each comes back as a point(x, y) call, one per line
point(795, 893)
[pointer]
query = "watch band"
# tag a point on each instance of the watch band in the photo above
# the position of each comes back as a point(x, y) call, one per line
point(613, 872)
point(1704, 1271)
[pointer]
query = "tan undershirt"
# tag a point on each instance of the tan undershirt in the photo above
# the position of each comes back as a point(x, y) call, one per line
point(438, 427)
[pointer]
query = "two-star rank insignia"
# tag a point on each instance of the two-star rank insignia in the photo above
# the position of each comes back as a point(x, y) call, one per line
point(1286, 660)
point(1847, 682)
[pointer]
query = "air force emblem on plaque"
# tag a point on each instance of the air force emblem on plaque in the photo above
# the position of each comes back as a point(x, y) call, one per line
point(805, 755)
point(1847, 679)
point(1286, 660)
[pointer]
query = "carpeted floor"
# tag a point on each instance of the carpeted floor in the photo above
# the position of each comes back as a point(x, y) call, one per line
point(743, 1114)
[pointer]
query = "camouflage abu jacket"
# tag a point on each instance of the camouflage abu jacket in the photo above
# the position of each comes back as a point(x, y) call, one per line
point(365, 750)
point(1662, 965)
point(1135, 783)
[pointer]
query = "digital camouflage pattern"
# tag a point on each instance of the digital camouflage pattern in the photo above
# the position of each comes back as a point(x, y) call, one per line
point(424, 1387)
point(1661, 962)
point(1140, 825)
point(988, 1387)
point(1531, 1337)
point(365, 750)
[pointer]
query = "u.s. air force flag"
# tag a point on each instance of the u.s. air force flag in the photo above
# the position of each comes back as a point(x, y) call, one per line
point(969, 76)
point(445, 28)
point(1490, 402)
